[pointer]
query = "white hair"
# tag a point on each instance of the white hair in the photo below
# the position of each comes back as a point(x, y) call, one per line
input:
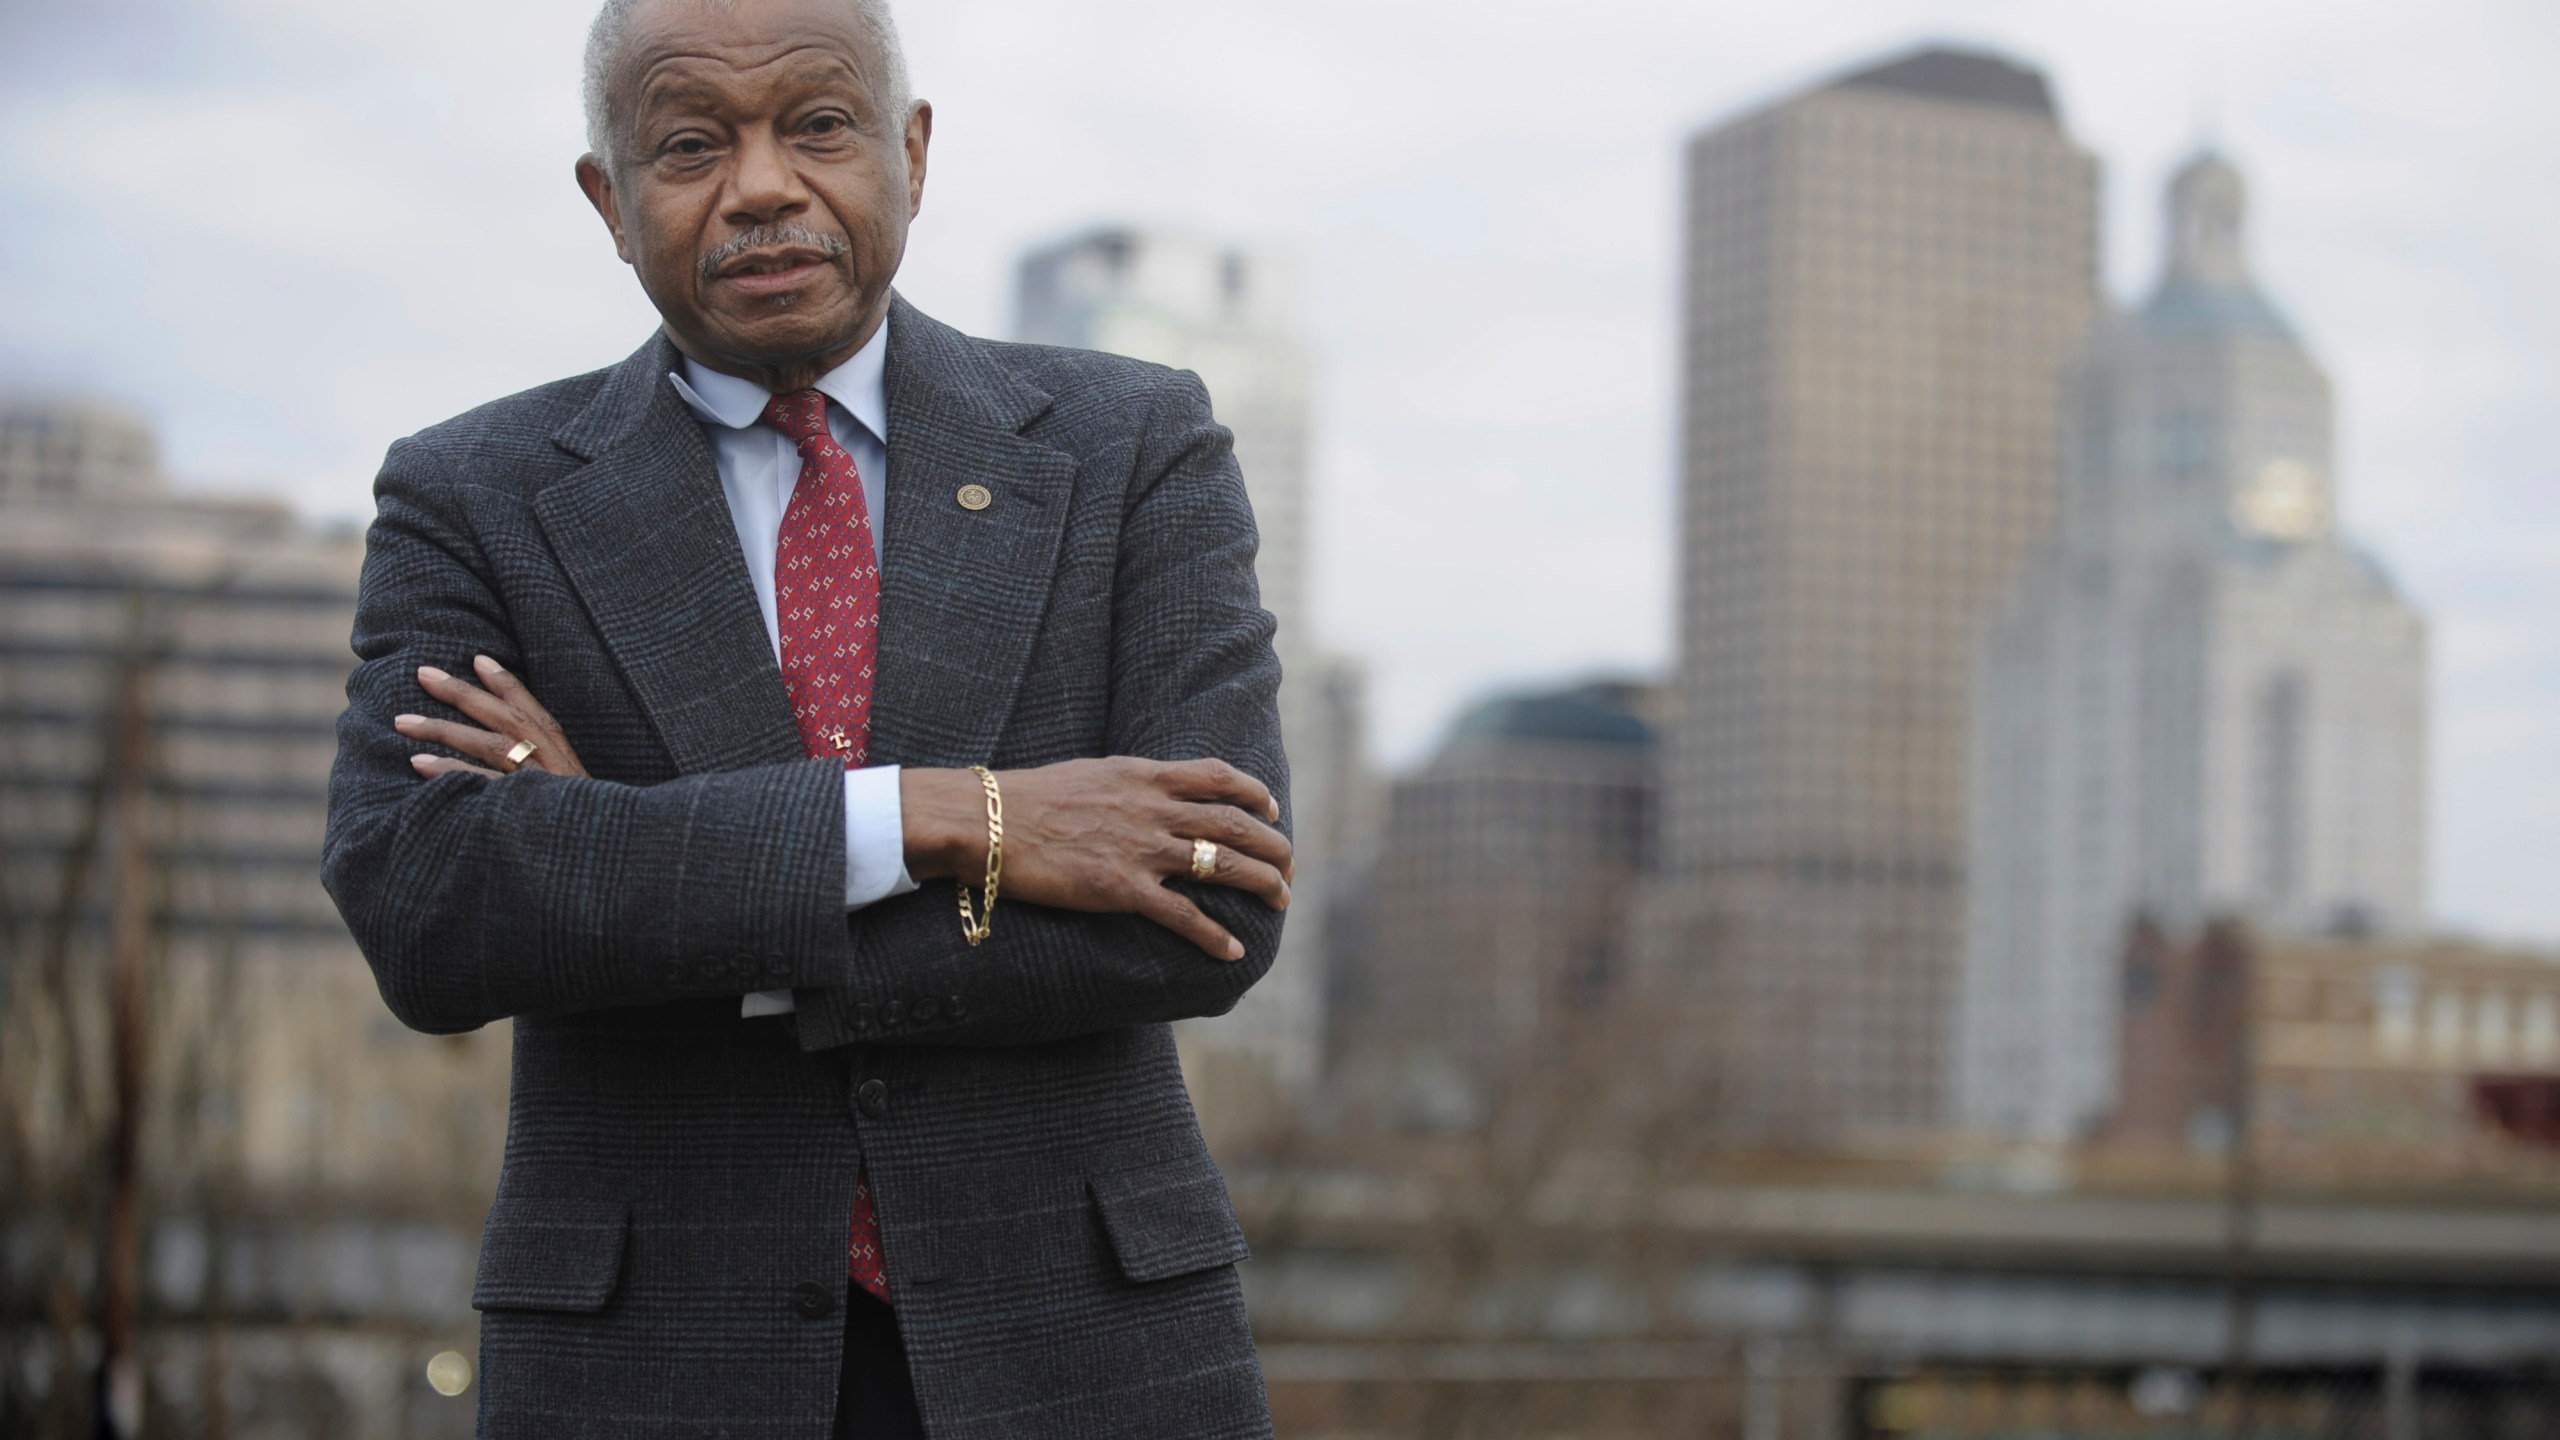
point(604, 52)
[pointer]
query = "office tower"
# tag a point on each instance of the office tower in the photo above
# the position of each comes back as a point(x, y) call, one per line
point(1884, 278)
point(1501, 897)
point(1222, 313)
point(2203, 699)
point(172, 668)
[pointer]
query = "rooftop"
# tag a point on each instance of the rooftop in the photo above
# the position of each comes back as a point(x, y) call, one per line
point(1599, 713)
point(1968, 77)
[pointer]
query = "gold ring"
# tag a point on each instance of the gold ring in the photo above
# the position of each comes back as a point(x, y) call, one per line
point(522, 752)
point(1204, 860)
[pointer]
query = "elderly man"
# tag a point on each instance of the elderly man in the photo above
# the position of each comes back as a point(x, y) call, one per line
point(833, 614)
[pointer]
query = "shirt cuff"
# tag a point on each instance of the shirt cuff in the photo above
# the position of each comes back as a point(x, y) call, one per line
point(875, 837)
point(875, 859)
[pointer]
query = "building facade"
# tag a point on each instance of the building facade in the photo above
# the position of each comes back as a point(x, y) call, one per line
point(1222, 313)
point(1885, 279)
point(2365, 1061)
point(308, 1176)
point(2202, 700)
point(1500, 899)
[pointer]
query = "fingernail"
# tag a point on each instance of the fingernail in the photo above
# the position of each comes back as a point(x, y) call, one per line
point(408, 719)
point(429, 672)
point(485, 663)
point(1275, 812)
point(421, 759)
point(1235, 949)
point(1284, 897)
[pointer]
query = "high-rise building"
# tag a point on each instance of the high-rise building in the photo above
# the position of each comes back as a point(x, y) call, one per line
point(1222, 313)
point(1884, 279)
point(1502, 892)
point(172, 668)
point(2202, 700)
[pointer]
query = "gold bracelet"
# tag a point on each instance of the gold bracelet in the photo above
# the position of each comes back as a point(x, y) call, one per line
point(974, 924)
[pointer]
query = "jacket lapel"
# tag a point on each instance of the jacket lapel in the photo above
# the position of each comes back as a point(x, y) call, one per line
point(645, 535)
point(961, 591)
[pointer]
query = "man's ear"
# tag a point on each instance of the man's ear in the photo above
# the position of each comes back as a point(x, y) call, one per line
point(598, 183)
point(919, 139)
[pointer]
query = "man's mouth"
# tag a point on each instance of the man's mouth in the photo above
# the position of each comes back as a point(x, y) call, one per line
point(773, 272)
point(782, 261)
point(771, 258)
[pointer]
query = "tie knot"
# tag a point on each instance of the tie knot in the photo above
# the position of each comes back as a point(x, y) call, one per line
point(800, 414)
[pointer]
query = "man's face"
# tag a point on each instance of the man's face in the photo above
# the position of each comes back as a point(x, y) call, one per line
point(759, 188)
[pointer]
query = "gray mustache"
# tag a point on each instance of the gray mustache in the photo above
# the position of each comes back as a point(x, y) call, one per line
point(764, 236)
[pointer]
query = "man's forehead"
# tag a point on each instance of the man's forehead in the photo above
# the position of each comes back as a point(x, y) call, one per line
point(679, 76)
point(700, 38)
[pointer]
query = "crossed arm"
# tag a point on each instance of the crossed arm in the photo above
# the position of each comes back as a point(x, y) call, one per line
point(477, 895)
point(1097, 836)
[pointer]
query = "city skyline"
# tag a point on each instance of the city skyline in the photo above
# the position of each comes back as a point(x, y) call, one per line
point(2440, 338)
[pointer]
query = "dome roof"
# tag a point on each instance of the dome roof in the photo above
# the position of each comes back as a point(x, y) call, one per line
point(2177, 307)
point(2206, 285)
point(1602, 713)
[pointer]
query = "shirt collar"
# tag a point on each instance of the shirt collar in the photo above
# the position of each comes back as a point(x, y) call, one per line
point(860, 385)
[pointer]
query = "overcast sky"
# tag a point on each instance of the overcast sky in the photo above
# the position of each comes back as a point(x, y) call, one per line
point(293, 230)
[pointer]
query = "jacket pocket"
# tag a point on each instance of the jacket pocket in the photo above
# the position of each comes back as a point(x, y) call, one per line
point(550, 1253)
point(1169, 1219)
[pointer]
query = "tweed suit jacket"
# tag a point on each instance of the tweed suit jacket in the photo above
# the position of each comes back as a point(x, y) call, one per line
point(665, 1255)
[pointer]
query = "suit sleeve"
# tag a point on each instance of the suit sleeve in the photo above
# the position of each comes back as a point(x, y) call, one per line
point(475, 899)
point(1193, 675)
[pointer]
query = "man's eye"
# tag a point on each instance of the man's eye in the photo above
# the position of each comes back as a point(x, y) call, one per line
point(688, 145)
point(826, 124)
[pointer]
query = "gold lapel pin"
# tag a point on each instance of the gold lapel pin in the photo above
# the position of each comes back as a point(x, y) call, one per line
point(975, 497)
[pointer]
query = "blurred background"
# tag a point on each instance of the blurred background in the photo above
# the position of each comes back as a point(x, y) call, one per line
point(1921, 674)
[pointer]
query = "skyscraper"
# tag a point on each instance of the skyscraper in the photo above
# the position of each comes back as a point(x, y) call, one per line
point(1885, 277)
point(1221, 312)
point(2203, 699)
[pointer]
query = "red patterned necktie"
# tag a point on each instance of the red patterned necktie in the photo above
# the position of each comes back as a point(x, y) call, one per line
point(826, 603)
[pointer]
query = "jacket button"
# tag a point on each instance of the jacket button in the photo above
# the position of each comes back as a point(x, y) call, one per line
point(926, 1009)
point(873, 1097)
point(893, 1013)
point(951, 1007)
point(813, 1301)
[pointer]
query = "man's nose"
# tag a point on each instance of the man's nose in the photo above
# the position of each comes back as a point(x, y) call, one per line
point(764, 186)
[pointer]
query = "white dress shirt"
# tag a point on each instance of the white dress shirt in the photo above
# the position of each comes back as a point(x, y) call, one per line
point(758, 468)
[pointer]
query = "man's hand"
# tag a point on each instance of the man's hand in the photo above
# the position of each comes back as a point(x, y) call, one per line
point(508, 710)
point(1103, 836)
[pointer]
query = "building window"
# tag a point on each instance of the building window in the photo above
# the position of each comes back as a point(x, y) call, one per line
point(2491, 1032)
point(2444, 1025)
point(2538, 1040)
point(2182, 444)
point(2280, 725)
point(2395, 1011)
